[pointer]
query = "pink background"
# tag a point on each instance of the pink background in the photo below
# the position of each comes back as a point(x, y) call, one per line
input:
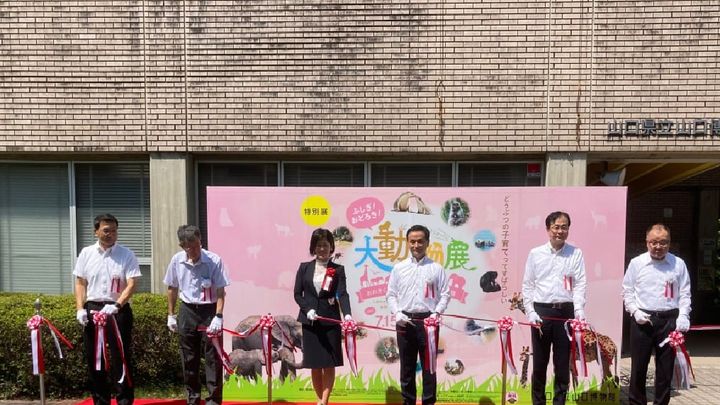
point(262, 237)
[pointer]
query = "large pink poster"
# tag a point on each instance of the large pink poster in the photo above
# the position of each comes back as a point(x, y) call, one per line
point(482, 237)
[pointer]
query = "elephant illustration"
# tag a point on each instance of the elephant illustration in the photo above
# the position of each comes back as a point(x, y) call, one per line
point(284, 348)
point(249, 363)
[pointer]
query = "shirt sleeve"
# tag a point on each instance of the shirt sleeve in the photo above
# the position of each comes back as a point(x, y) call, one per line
point(580, 281)
point(80, 264)
point(444, 283)
point(684, 291)
point(220, 276)
point(528, 284)
point(628, 287)
point(391, 295)
point(171, 275)
point(132, 267)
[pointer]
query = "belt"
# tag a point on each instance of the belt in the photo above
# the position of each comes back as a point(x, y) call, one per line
point(670, 313)
point(417, 315)
point(101, 302)
point(199, 306)
point(555, 305)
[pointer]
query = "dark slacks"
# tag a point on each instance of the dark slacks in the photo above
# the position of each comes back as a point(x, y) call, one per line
point(643, 339)
point(553, 335)
point(102, 383)
point(411, 342)
point(193, 345)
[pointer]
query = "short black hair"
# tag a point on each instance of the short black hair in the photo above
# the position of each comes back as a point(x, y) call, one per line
point(554, 216)
point(188, 233)
point(658, 225)
point(319, 235)
point(104, 218)
point(420, 228)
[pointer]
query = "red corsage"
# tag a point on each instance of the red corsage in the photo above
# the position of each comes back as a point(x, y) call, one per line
point(327, 281)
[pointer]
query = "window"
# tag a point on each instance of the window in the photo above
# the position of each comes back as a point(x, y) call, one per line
point(324, 174)
point(35, 245)
point(123, 190)
point(411, 175)
point(499, 174)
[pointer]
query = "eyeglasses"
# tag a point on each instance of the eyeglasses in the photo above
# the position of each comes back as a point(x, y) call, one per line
point(559, 228)
point(658, 243)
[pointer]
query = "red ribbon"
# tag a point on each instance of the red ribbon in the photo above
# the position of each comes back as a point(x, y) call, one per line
point(568, 282)
point(206, 294)
point(100, 320)
point(328, 279)
point(115, 285)
point(224, 358)
point(432, 332)
point(578, 328)
point(683, 366)
point(505, 325)
point(669, 289)
point(266, 323)
point(349, 330)
point(430, 290)
point(38, 359)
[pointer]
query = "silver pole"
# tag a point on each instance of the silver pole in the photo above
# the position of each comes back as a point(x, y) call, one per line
point(42, 376)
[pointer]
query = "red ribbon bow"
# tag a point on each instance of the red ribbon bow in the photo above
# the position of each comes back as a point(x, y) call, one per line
point(683, 367)
point(38, 360)
point(505, 325)
point(100, 319)
point(577, 339)
point(432, 333)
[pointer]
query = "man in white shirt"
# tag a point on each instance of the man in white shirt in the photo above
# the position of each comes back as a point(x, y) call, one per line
point(105, 275)
point(418, 289)
point(553, 287)
point(656, 292)
point(198, 278)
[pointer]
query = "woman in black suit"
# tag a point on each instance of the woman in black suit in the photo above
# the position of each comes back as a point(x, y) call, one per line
point(320, 289)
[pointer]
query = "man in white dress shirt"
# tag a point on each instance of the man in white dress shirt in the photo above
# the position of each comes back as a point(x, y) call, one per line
point(656, 292)
point(553, 287)
point(105, 275)
point(198, 278)
point(418, 288)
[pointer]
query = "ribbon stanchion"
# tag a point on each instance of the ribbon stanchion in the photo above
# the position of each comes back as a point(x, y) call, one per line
point(683, 375)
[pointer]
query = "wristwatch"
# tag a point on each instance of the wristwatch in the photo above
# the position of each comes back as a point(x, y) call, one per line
point(118, 305)
point(218, 315)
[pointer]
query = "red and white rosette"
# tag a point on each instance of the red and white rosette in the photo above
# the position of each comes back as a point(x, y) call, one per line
point(224, 358)
point(328, 279)
point(349, 330)
point(266, 324)
point(38, 359)
point(577, 341)
point(432, 332)
point(35, 339)
point(505, 325)
point(101, 319)
point(683, 375)
point(115, 284)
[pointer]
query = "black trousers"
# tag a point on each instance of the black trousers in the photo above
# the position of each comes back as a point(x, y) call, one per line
point(411, 342)
point(193, 345)
point(103, 382)
point(553, 335)
point(643, 339)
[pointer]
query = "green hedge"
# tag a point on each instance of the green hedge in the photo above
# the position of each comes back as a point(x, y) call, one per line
point(156, 349)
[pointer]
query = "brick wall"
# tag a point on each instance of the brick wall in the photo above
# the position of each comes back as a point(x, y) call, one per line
point(374, 76)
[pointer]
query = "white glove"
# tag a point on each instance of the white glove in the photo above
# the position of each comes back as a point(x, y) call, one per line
point(81, 317)
point(401, 319)
point(109, 309)
point(311, 315)
point(172, 323)
point(348, 317)
point(682, 323)
point(580, 315)
point(641, 317)
point(533, 317)
point(215, 325)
